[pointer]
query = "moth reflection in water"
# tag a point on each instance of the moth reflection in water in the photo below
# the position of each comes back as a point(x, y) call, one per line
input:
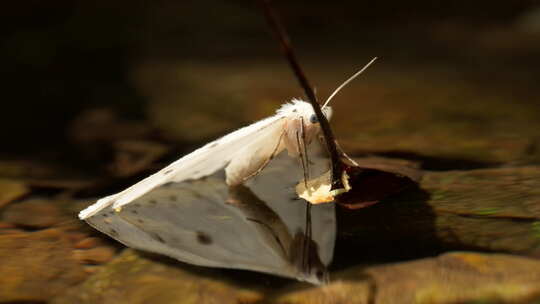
point(260, 226)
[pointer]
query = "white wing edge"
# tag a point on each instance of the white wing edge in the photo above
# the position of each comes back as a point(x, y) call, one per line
point(95, 208)
point(137, 190)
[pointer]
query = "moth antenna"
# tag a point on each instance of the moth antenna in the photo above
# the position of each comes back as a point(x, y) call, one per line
point(346, 82)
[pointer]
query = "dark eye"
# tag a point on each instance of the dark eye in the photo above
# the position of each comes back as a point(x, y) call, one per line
point(313, 119)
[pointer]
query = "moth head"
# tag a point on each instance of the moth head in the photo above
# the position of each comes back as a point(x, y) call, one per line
point(302, 124)
point(304, 111)
point(327, 111)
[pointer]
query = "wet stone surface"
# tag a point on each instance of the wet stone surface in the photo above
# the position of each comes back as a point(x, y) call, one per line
point(484, 209)
point(406, 112)
point(45, 250)
point(11, 190)
point(469, 133)
point(133, 278)
point(37, 266)
point(34, 214)
point(458, 277)
point(480, 193)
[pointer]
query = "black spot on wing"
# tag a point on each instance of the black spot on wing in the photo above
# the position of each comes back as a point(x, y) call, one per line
point(203, 238)
point(213, 145)
point(168, 171)
point(113, 233)
point(157, 237)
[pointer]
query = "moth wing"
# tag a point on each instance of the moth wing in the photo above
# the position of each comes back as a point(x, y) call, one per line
point(324, 231)
point(242, 151)
point(255, 155)
point(193, 223)
point(291, 208)
point(196, 222)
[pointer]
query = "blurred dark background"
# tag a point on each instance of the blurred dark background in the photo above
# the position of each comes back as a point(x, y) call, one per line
point(62, 60)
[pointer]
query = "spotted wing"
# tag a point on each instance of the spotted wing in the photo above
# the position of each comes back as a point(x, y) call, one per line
point(242, 152)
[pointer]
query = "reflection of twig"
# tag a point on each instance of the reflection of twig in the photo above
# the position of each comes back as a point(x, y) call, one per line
point(280, 33)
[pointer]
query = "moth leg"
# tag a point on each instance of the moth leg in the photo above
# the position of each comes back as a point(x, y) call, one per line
point(266, 161)
point(304, 145)
point(301, 140)
point(302, 152)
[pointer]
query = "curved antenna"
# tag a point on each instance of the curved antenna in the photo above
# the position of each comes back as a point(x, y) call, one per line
point(346, 82)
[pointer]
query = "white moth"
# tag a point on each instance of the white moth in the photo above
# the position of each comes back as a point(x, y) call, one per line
point(259, 226)
point(234, 217)
point(243, 153)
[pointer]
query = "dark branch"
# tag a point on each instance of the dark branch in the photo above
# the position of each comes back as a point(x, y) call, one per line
point(281, 35)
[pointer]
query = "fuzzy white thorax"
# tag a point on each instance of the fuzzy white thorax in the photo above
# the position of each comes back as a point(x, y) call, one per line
point(301, 125)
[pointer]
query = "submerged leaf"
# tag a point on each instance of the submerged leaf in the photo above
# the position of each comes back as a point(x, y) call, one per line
point(365, 184)
point(372, 182)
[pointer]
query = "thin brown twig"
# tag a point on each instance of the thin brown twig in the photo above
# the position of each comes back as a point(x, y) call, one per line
point(285, 43)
